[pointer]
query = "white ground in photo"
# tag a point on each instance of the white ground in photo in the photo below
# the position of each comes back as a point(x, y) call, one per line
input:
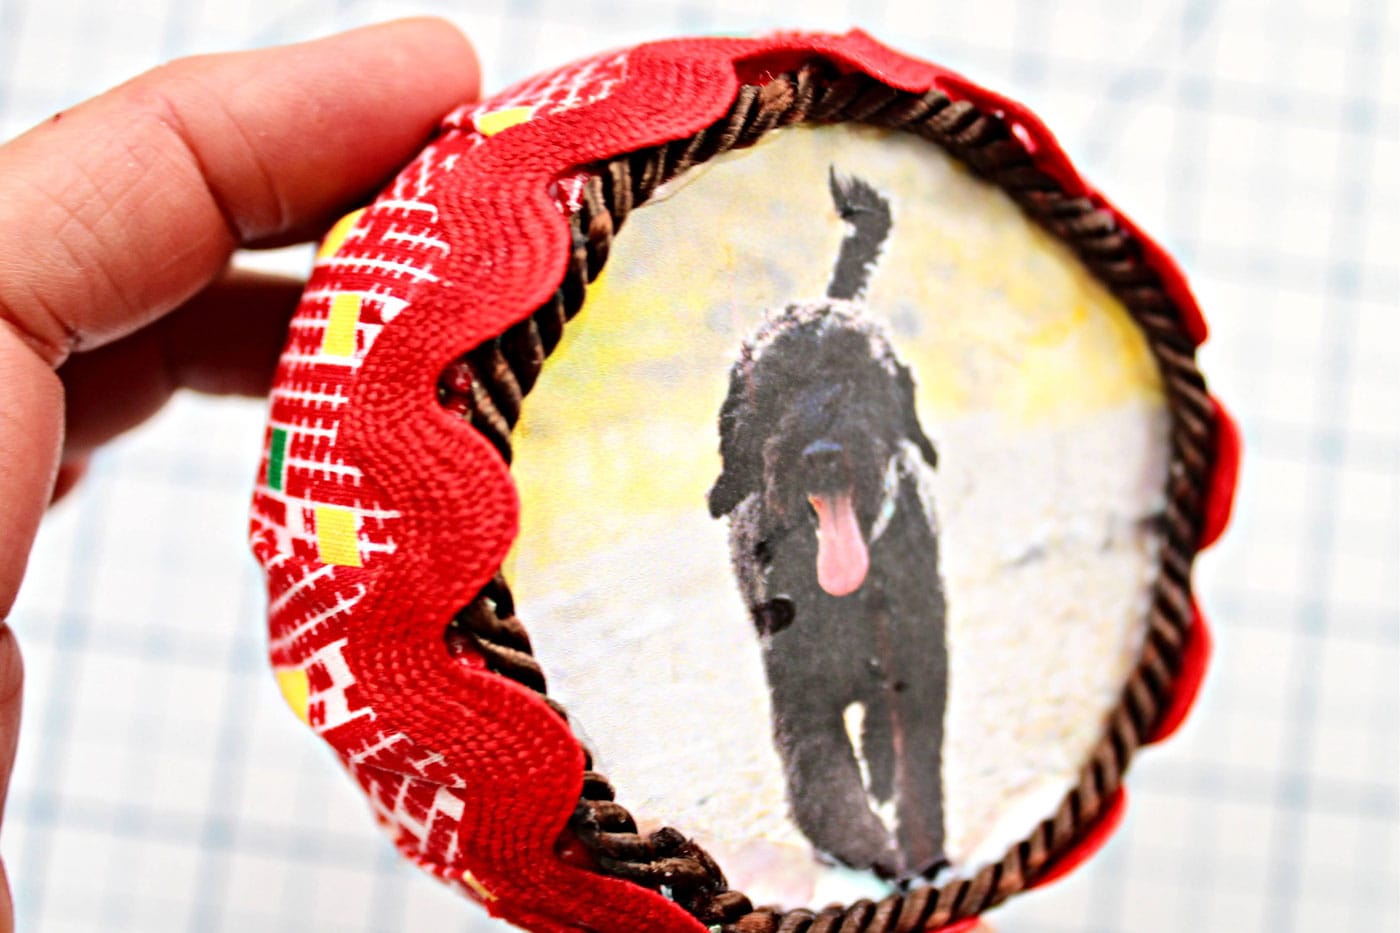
point(1047, 560)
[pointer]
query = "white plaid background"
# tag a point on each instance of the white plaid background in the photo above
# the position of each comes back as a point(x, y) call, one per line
point(162, 784)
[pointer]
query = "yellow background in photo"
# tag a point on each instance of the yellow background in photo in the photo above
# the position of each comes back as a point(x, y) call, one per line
point(993, 315)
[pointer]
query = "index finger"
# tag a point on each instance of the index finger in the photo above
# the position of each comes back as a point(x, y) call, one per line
point(118, 210)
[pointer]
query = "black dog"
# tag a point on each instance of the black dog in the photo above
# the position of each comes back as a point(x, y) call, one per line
point(835, 547)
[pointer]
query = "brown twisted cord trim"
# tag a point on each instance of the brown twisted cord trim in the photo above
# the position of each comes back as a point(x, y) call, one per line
point(488, 384)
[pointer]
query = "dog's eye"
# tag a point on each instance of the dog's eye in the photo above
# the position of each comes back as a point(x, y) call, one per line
point(763, 551)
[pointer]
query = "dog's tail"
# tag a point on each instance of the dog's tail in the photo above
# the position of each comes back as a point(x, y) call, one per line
point(868, 213)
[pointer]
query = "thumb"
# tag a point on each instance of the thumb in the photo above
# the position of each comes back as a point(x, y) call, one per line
point(11, 682)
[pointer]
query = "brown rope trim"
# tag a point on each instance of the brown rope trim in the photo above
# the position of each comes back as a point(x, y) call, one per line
point(487, 385)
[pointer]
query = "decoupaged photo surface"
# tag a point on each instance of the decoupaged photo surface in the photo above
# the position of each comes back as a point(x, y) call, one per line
point(839, 507)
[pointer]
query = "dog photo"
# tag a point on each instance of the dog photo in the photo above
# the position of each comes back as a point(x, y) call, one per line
point(839, 506)
point(833, 540)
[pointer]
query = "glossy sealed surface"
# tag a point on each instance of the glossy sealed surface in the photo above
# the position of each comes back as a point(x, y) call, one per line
point(836, 543)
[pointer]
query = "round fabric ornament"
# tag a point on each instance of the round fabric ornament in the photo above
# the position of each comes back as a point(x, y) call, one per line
point(734, 476)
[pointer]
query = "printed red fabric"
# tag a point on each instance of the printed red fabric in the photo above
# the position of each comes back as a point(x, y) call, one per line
point(377, 515)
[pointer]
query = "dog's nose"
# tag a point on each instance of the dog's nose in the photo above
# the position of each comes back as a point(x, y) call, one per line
point(820, 452)
point(823, 462)
point(823, 465)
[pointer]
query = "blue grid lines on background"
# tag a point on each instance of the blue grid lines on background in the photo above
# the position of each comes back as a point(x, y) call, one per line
point(163, 786)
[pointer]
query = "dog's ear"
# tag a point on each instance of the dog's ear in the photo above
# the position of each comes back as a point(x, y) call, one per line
point(910, 417)
point(742, 465)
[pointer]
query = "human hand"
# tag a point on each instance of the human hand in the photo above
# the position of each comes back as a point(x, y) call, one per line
point(117, 221)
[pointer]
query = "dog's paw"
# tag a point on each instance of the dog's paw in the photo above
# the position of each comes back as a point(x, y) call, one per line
point(927, 873)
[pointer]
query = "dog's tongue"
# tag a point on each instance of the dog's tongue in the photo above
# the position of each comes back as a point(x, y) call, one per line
point(842, 558)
